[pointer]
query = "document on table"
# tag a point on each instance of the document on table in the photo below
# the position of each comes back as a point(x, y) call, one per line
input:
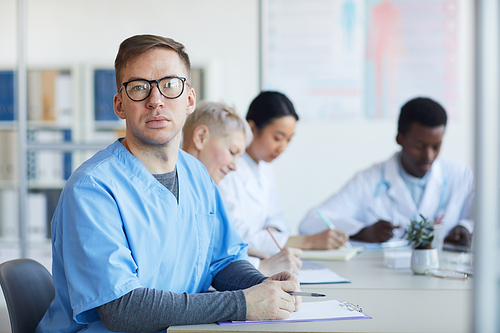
point(312, 272)
point(312, 311)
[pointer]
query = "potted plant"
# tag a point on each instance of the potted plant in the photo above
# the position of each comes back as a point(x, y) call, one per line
point(419, 235)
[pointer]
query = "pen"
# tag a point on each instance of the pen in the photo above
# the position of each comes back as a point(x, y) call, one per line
point(330, 225)
point(274, 239)
point(371, 211)
point(300, 293)
point(325, 220)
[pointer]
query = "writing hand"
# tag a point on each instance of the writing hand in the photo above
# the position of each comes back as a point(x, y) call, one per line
point(287, 259)
point(378, 232)
point(269, 300)
point(328, 239)
point(287, 276)
point(459, 235)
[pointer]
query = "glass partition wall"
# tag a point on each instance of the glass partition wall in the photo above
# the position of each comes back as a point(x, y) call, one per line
point(52, 119)
point(486, 242)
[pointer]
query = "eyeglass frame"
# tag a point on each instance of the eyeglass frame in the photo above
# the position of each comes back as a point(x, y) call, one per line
point(183, 79)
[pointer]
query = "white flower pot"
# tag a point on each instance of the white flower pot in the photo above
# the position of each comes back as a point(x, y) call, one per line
point(422, 260)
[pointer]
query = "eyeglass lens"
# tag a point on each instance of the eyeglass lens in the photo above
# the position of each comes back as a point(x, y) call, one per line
point(139, 90)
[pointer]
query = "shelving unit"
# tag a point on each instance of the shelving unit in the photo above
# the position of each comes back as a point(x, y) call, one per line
point(61, 133)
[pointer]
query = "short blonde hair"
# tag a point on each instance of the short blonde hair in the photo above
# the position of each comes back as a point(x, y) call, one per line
point(220, 119)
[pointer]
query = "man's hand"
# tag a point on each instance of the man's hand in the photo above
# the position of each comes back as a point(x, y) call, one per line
point(459, 235)
point(287, 259)
point(378, 232)
point(287, 276)
point(269, 300)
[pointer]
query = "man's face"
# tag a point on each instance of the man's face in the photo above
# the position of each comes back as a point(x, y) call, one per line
point(156, 120)
point(421, 146)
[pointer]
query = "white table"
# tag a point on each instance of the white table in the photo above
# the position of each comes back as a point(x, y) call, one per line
point(398, 301)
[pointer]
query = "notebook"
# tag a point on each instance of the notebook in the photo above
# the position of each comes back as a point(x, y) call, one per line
point(341, 254)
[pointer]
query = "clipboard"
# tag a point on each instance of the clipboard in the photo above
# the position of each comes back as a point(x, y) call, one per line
point(315, 311)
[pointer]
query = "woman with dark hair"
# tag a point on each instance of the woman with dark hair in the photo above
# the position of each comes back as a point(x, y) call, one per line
point(250, 192)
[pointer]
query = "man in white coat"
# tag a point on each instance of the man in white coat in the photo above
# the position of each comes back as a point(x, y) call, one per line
point(378, 203)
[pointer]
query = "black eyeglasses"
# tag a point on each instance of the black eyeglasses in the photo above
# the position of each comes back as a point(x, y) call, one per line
point(138, 90)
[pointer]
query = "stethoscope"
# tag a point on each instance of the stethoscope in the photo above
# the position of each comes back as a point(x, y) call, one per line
point(384, 184)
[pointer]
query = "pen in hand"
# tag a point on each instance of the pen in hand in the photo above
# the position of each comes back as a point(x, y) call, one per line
point(300, 293)
point(274, 239)
point(330, 226)
point(371, 211)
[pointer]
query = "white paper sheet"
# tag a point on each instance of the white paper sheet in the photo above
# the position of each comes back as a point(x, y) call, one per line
point(322, 275)
point(313, 311)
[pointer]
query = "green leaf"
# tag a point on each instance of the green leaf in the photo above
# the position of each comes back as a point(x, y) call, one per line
point(419, 233)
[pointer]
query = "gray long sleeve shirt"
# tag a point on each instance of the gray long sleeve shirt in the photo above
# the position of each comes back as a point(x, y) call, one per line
point(150, 310)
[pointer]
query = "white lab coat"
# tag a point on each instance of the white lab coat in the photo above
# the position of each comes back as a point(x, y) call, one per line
point(381, 193)
point(251, 198)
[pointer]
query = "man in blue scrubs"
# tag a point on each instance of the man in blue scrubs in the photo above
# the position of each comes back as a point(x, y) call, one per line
point(141, 232)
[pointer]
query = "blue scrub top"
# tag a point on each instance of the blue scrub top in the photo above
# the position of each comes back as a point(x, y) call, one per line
point(116, 228)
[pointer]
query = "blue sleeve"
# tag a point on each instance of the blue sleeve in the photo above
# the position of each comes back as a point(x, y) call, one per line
point(98, 263)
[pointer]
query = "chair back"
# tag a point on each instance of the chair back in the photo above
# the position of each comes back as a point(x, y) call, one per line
point(28, 289)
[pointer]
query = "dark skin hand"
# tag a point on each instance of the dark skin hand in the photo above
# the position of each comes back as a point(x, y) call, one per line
point(378, 232)
point(459, 235)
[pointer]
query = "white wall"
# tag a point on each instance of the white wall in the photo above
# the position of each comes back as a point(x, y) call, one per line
point(221, 35)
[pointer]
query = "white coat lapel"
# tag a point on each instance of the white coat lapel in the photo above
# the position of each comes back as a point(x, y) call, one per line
point(398, 191)
point(432, 193)
point(252, 180)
